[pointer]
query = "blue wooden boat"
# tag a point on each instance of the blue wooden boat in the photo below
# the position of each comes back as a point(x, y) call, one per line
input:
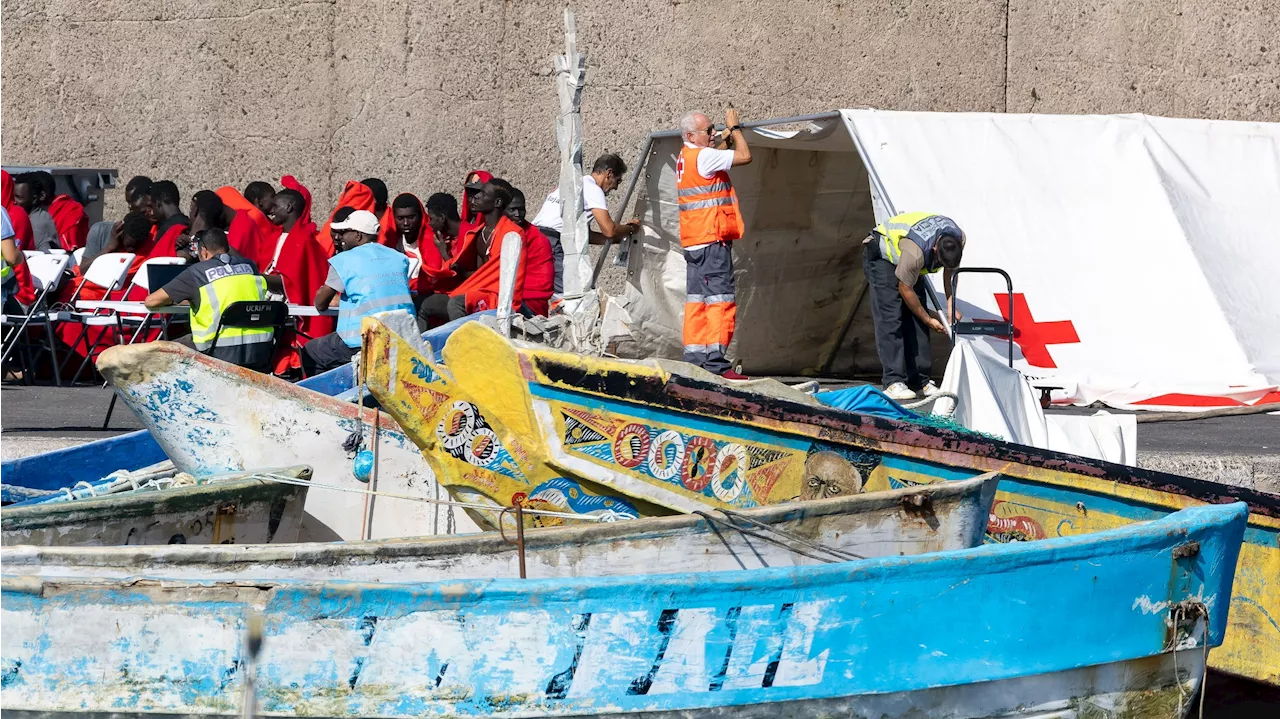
point(89, 462)
point(961, 634)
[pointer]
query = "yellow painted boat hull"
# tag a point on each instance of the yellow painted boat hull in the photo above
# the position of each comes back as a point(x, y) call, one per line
point(474, 456)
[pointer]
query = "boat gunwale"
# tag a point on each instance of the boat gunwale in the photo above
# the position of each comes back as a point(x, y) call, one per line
point(982, 487)
point(686, 394)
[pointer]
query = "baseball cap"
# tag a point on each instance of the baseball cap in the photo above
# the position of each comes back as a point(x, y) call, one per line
point(360, 221)
point(474, 182)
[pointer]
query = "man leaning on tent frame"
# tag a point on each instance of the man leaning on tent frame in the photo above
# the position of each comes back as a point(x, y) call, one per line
point(895, 271)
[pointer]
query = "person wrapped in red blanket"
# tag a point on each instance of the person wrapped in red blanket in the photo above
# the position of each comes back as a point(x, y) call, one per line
point(540, 266)
point(25, 292)
point(249, 231)
point(298, 264)
point(57, 221)
point(362, 196)
point(481, 247)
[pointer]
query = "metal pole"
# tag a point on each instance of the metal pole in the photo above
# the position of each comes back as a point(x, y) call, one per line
point(641, 163)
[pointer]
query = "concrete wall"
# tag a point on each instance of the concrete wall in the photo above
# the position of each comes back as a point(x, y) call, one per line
point(226, 91)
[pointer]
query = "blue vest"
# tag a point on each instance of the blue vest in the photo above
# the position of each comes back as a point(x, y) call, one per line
point(375, 279)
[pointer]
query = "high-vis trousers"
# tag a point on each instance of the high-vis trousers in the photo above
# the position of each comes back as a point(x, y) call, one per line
point(710, 310)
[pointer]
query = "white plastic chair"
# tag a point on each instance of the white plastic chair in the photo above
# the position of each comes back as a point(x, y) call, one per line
point(415, 264)
point(142, 278)
point(77, 257)
point(110, 272)
point(46, 275)
point(32, 253)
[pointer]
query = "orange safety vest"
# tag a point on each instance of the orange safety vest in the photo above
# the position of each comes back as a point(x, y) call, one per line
point(708, 208)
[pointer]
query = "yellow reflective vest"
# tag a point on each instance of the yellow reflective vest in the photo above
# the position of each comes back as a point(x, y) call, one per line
point(217, 296)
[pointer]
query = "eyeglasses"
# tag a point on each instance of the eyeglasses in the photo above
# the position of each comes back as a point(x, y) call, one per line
point(711, 130)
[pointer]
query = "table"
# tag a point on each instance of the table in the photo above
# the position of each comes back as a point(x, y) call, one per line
point(138, 308)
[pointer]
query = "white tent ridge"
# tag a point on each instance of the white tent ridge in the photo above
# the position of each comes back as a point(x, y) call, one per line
point(1142, 249)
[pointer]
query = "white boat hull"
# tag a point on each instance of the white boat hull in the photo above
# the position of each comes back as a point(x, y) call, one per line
point(212, 417)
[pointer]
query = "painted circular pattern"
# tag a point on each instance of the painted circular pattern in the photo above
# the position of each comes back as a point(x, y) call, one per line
point(730, 476)
point(699, 464)
point(482, 447)
point(457, 425)
point(666, 454)
point(631, 446)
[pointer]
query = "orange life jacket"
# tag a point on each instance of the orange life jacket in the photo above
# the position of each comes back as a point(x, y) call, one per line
point(708, 207)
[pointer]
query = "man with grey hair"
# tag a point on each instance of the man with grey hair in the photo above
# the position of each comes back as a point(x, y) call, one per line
point(709, 221)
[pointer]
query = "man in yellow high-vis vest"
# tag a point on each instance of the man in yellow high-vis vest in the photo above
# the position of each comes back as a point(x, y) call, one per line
point(222, 276)
point(896, 257)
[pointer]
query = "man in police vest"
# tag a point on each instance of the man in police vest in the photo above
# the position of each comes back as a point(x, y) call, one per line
point(896, 257)
point(367, 277)
point(709, 221)
point(221, 276)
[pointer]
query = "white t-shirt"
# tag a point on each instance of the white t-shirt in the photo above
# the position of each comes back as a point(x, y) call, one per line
point(710, 161)
point(276, 257)
point(551, 216)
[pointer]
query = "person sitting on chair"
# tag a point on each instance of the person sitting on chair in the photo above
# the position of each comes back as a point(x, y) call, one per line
point(221, 277)
point(367, 278)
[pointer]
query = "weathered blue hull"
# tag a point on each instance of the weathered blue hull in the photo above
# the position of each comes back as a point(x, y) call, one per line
point(94, 460)
point(969, 633)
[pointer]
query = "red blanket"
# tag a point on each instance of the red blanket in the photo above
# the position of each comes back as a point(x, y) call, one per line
point(22, 232)
point(481, 288)
point(356, 196)
point(540, 275)
point(73, 225)
point(250, 233)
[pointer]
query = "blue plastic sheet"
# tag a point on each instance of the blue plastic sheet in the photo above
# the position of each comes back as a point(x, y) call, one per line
point(865, 399)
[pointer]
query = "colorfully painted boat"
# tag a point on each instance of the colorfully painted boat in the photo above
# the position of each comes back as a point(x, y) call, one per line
point(236, 509)
point(682, 439)
point(917, 520)
point(476, 458)
point(25, 477)
point(213, 417)
point(951, 635)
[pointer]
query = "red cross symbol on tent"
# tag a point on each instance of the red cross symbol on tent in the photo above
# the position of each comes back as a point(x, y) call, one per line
point(1034, 337)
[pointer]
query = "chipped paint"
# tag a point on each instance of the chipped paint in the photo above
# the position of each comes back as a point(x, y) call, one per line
point(876, 637)
point(211, 417)
point(198, 514)
point(873, 525)
point(1039, 489)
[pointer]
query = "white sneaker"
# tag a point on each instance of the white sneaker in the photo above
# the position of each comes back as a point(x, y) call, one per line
point(930, 389)
point(899, 391)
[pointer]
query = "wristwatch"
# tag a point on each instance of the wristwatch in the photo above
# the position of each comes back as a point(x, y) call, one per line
point(735, 128)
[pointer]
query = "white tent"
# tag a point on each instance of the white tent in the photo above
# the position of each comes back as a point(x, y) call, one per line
point(1143, 250)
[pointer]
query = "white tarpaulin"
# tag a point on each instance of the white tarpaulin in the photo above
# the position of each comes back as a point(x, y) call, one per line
point(996, 399)
point(1143, 251)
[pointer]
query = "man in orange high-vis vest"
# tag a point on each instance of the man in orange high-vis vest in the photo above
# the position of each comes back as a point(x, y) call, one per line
point(709, 221)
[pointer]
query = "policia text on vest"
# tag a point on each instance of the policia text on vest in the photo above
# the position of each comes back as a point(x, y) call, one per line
point(210, 286)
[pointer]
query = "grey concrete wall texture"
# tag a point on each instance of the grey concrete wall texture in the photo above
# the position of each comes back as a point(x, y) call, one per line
point(213, 92)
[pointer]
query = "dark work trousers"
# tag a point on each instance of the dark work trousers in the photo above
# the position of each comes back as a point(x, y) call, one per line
point(326, 352)
point(438, 309)
point(902, 340)
point(710, 306)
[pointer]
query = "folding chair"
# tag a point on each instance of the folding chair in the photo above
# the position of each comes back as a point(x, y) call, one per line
point(77, 257)
point(253, 315)
point(142, 278)
point(415, 264)
point(110, 272)
point(46, 274)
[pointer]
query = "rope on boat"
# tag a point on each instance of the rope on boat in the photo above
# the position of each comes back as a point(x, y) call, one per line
point(835, 555)
point(1182, 611)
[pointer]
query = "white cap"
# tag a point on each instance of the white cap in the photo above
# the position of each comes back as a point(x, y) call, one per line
point(360, 221)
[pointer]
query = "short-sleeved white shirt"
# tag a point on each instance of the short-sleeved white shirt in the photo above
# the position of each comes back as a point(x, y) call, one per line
point(551, 216)
point(710, 161)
